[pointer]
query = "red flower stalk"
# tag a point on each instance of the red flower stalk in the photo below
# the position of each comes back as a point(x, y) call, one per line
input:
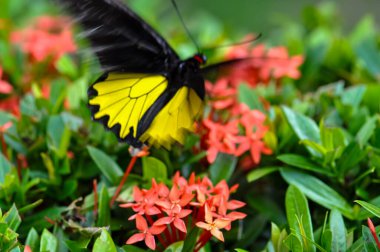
point(373, 232)
point(192, 203)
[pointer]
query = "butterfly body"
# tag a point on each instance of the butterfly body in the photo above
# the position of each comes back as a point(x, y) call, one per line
point(147, 95)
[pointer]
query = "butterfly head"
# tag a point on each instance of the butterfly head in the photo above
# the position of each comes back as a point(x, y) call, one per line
point(200, 58)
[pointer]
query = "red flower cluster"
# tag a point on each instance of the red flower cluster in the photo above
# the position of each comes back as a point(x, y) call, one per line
point(232, 127)
point(265, 65)
point(168, 214)
point(47, 37)
point(230, 139)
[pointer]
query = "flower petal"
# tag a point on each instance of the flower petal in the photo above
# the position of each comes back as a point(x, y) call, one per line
point(222, 223)
point(141, 223)
point(150, 242)
point(136, 238)
point(180, 224)
point(163, 221)
point(203, 225)
point(218, 234)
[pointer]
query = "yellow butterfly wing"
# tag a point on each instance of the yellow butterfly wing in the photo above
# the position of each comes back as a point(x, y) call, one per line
point(121, 101)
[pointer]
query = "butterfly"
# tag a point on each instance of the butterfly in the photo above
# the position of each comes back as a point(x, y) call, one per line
point(147, 94)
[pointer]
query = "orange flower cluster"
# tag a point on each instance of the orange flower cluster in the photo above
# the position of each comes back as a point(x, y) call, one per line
point(168, 214)
point(231, 127)
point(47, 37)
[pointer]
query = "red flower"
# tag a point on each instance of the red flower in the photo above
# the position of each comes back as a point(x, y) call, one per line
point(213, 225)
point(253, 122)
point(147, 234)
point(175, 218)
point(5, 87)
point(145, 201)
point(47, 37)
point(222, 95)
point(221, 138)
point(176, 200)
point(179, 209)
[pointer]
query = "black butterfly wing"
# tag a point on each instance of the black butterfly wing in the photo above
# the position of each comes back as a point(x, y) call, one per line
point(122, 41)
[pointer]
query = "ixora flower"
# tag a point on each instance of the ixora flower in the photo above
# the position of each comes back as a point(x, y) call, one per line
point(5, 87)
point(188, 204)
point(47, 37)
point(227, 138)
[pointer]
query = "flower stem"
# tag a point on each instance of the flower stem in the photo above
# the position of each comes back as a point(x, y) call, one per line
point(205, 237)
point(4, 146)
point(95, 188)
point(373, 231)
point(124, 179)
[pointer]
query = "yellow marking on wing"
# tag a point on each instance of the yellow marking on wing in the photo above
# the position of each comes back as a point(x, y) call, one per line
point(175, 120)
point(124, 98)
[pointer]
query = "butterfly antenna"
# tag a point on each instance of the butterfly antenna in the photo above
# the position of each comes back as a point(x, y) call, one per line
point(184, 25)
point(235, 44)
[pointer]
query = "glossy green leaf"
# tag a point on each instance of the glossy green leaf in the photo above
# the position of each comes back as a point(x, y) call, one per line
point(258, 173)
point(318, 191)
point(223, 167)
point(12, 218)
point(33, 240)
point(58, 135)
point(338, 230)
point(191, 239)
point(5, 167)
point(48, 242)
point(106, 165)
point(367, 130)
point(297, 211)
point(369, 207)
point(65, 65)
point(104, 243)
point(154, 168)
point(303, 163)
point(304, 127)
point(369, 241)
point(104, 215)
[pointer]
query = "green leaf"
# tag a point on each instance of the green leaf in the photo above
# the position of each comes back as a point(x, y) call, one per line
point(277, 238)
point(369, 207)
point(104, 243)
point(338, 230)
point(175, 247)
point(350, 157)
point(241, 250)
point(293, 243)
point(369, 240)
point(222, 168)
point(298, 214)
point(12, 218)
point(33, 240)
point(249, 97)
point(48, 242)
point(58, 136)
point(106, 165)
point(258, 173)
point(131, 248)
point(304, 127)
point(104, 215)
point(353, 95)
point(365, 45)
point(78, 245)
point(318, 191)
point(303, 163)
point(5, 167)
point(154, 168)
point(65, 65)
point(367, 130)
point(190, 241)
